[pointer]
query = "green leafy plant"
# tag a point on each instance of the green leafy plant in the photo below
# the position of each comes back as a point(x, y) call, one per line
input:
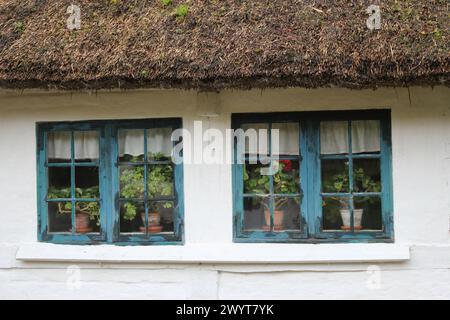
point(159, 184)
point(339, 183)
point(166, 2)
point(90, 208)
point(284, 180)
point(19, 27)
point(181, 11)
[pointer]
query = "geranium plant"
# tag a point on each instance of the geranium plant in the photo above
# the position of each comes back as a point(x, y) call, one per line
point(285, 181)
point(339, 183)
point(159, 184)
point(90, 208)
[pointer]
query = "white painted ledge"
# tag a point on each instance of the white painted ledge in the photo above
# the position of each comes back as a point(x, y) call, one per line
point(217, 253)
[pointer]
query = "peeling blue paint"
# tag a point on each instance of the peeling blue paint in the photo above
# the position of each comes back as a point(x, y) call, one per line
point(310, 178)
point(109, 185)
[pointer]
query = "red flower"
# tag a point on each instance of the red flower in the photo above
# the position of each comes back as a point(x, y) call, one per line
point(287, 165)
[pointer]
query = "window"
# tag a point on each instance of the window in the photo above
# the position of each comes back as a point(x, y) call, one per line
point(109, 182)
point(319, 177)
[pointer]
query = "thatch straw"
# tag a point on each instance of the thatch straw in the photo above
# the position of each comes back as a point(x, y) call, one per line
point(223, 44)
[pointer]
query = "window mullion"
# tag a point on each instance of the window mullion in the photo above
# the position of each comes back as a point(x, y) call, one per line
point(146, 197)
point(72, 181)
point(113, 211)
point(313, 176)
point(106, 163)
point(350, 175)
point(386, 177)
point(271, 191)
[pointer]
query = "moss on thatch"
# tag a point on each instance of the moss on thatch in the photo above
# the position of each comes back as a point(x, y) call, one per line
point(219, 44)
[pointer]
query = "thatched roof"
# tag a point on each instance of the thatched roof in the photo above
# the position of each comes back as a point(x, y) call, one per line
point(223, 44)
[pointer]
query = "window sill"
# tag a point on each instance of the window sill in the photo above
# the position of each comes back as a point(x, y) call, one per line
point(216, 253)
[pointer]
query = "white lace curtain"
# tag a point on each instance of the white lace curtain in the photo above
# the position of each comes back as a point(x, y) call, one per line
point(333, 137)
point(132, 142)
point(288, 138)
point(87, 146)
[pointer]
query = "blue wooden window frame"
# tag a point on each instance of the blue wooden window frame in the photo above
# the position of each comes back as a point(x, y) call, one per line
point(310, 178)
point(109, 200)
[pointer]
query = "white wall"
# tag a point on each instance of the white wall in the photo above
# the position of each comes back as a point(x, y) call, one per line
point(421, 171)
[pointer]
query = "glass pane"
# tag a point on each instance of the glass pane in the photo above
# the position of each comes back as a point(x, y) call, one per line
point(87, 217)
point(287, 179)
point(288, 143)
point(59, 217)
point(131, 145)
point(254, 181)
point(59, 146)
point(87, 182)
point(335, 176)
point(367, 213)
point(160, 180)
point(366, 136)
point(132, 182)
point(86, 146)
point(366, 175)
point(159, 144)
point(334, 137)
point(132, 217)
point(160, 216)
point(286, 213)
point(256, 139)
point(336, 214)
point(256, 214)
point(59, 183)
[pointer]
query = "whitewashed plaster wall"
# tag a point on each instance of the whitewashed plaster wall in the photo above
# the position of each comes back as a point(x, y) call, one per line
point(421, 172)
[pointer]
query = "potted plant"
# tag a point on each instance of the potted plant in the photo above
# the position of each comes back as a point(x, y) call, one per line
point(284, 180)
point(85, 212)
point(340, 183)
point(159, 184)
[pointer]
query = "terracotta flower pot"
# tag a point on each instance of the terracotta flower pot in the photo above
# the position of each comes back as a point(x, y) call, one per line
point(357, 218)
point(154, 222)
point(278, 219)
point(154, 218)
point(82, 222)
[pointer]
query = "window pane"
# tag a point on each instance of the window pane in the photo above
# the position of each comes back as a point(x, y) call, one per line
point(59, 217)
point(87, 182)
point(287, 179)
point(256, 212)
point(87, 217)
point(59, 146)
point(366, 175)
point(132, 182)
point(132, 217)
point(367, 213)
point(160, 180)
point(334, 137)
point(160, 216)
point(131, 145)
point(288, 144)
point(336, 214)
point(86, 146)
point(59, 183)
point(335, 176)
point(256, 139)
point(159, 144)
point(286, 214)
point(255, 181)
point(366, 136)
